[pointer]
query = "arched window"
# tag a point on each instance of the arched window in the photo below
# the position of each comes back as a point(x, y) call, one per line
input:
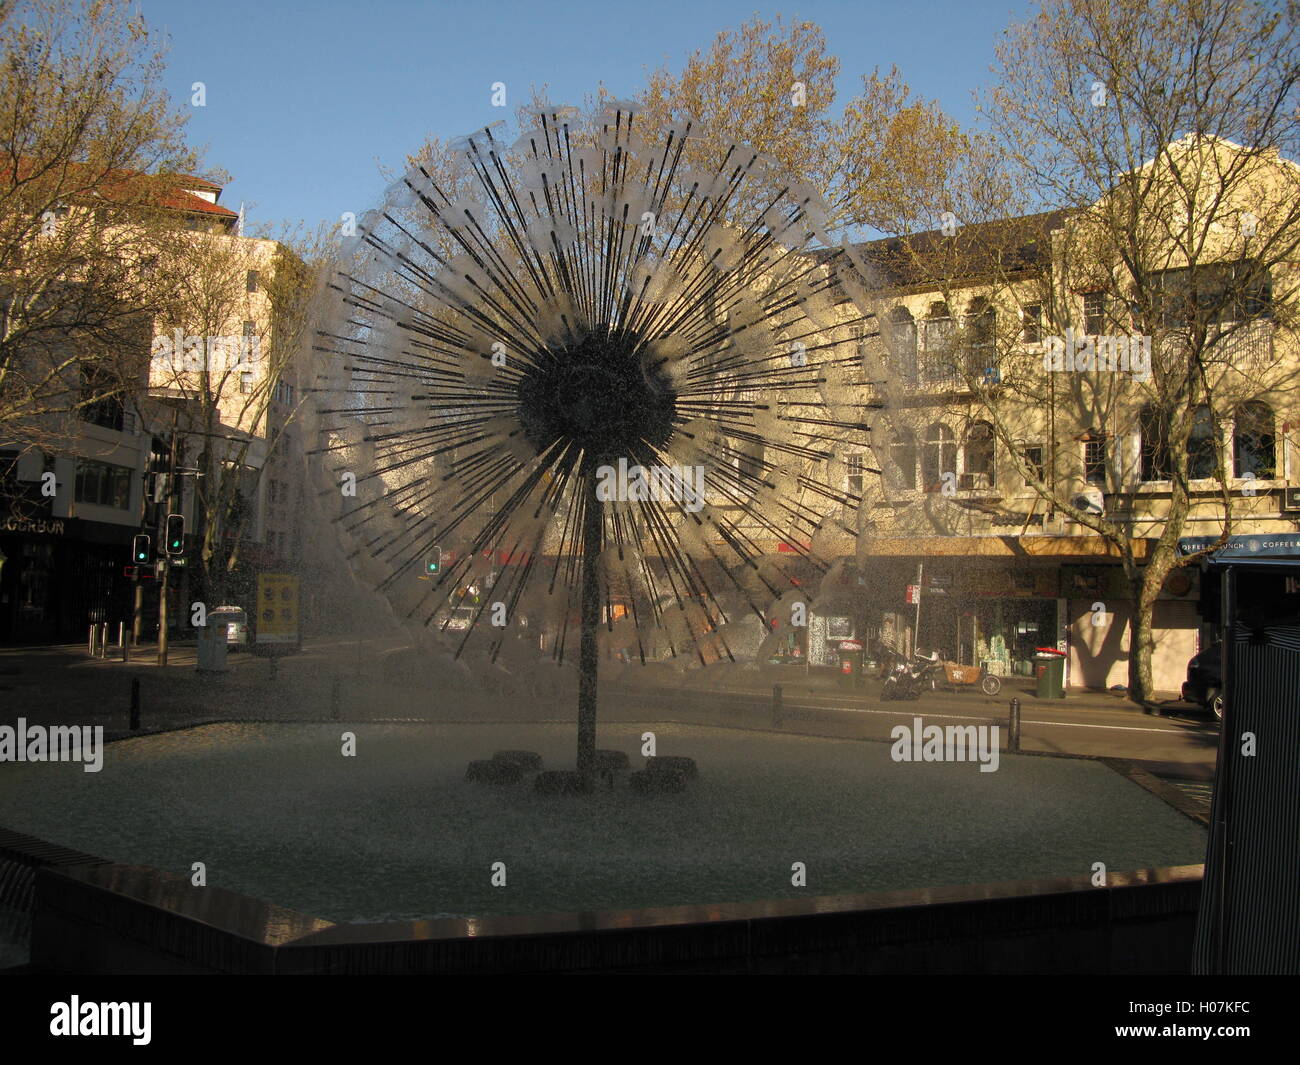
point(1254, 447)
point(902, 452)
point(938, 457)
point(1202, 452)
point(1154, 428)
point(900, 339)
point(938, 327)
point(979, 457)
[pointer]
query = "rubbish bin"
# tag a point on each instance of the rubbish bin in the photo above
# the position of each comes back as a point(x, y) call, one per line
point(1049, 669)
point(850, 653)
point(225, 624)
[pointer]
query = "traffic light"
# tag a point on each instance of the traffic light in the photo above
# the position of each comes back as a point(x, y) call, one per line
point(140, 549)
point(175, 534)
point(433, 562)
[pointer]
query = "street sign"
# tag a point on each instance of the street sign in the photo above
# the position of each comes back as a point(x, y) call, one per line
point(277, 608)
point(913, 594)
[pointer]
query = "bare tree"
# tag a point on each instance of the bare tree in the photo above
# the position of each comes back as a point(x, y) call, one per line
point(90, 147)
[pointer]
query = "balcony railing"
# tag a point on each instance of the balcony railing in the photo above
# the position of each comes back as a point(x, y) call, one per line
point(1248, 347)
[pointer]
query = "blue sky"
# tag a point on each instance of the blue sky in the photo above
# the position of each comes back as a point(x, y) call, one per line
point(306, 99)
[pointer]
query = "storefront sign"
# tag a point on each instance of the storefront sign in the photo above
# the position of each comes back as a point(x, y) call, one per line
point(1262, 545)
point(45, 526)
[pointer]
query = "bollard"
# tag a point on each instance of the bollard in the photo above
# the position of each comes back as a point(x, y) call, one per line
point(90, 646)
point(778, 714)
point(1014, 739)
point(103, 639)
point(126, 646)
point(135, 704)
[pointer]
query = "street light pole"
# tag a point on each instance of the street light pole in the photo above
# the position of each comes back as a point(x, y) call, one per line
point(588, 658)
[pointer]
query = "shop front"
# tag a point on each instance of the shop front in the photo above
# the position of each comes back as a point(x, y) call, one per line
point(58, 575)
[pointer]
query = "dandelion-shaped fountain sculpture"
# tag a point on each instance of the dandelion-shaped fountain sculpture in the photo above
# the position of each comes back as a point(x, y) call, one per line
point(612, 367)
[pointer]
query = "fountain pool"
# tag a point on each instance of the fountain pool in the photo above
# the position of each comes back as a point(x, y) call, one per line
point(395, 833)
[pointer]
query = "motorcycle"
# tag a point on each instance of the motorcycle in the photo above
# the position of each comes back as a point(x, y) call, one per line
point(907, 678)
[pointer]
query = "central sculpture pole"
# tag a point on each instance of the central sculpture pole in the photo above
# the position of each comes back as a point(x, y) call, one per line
point(588, 658)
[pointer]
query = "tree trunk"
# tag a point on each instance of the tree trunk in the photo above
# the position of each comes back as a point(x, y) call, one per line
point(1146, 590)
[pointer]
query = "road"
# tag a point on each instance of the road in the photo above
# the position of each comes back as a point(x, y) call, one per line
point(366, 681)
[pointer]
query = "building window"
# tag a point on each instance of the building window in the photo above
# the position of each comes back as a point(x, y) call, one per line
point(981, 326)
point(902, 450)
point(1202, 452)
point(938, 327)
point(1240, 291)
point(1033, 458)
point(1154, 429)
point(246, 383)
point(103, 484)
point(938, 457)
point(853, 474)
point(900, 340)
point(1094, 461)
point(250, 283)
point(1031, 320)
point(1254, 447)
point(979, 457)
point(1094, 313)
point(748, 461)
point(101, 397)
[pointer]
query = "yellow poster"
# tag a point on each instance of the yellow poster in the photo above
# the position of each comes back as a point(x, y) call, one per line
point(277, 608)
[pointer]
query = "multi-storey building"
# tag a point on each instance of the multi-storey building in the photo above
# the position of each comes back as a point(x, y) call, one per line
point(121, 464)
point(1018, 363)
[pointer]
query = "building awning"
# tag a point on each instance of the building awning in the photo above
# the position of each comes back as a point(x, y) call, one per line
point(1257, 547)
point(1009, 547)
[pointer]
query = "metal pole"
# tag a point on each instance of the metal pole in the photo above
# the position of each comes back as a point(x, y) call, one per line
point(916, 637)
point(1222, 826)
point(588, 659)
point(1014, 739)
point(137, 615)
point(162, 568)
point(162, 612)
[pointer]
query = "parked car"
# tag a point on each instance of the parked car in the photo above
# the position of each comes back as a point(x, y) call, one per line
point(1204, 682)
